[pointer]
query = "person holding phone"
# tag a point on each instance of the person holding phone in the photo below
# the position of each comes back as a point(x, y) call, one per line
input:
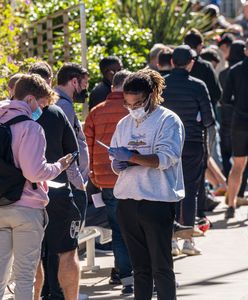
point(22, 224)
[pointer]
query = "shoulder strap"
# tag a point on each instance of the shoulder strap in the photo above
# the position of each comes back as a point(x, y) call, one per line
point(17, 120)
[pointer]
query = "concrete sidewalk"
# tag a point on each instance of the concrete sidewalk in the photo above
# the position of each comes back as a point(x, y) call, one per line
point(220, 273)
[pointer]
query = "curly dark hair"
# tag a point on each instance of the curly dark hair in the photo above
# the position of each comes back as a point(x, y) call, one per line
point(146, 81)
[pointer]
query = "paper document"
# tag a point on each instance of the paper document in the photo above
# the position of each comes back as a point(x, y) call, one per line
point(97, 200)
point(54, 184)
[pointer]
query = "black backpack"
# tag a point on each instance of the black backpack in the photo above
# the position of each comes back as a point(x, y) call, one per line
point(11, 178)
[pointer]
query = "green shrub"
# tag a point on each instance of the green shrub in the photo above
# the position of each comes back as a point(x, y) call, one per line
point(169, 21)
point(107, 34)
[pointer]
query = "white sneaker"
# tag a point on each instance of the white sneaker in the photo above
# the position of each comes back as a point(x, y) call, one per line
point(175, 250)
point(189, 248)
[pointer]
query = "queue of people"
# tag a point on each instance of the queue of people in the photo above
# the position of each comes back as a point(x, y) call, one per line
point(152, 140)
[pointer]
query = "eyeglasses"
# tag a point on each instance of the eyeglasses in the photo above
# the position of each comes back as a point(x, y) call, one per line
point(138, 104)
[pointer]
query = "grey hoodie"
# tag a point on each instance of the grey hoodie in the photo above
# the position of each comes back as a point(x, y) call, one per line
point(162, 133)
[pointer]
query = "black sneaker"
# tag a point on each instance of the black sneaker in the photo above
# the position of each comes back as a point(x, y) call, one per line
point(211, 204)
point(103, 248)
point(230, 212)
point(127, 290)
point(114, 277)
point(181, 231)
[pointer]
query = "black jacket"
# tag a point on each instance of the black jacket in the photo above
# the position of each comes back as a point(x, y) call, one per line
point(60, 136)
point(189, 99)
point(236, 88)
point(99, 93)
point(204, 71)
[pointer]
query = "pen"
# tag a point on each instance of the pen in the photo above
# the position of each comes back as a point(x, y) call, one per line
point(102, 144)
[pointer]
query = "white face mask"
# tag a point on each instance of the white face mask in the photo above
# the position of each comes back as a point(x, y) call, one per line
point(141, 112)
point(138, 113)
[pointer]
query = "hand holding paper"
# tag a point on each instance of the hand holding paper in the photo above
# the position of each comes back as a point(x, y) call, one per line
point(119, 166)
point(121, 153)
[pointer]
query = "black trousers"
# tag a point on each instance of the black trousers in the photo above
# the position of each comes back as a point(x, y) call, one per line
point(201, 196)
point(146, 227)
point(193, 167)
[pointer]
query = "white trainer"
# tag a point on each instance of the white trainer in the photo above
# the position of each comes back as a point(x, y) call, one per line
point(190, 248)
point(175, 250)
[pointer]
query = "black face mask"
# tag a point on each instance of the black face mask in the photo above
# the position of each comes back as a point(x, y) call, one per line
point(80, 97)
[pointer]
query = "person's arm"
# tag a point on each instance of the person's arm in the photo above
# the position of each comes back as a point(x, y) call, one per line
point(89, 131)
point(69, 144)
point(206, 109)
point(84, 154)
point(213, 85)
point(83, 149)
point(151, 161)
point(228, 90)
point(31, 156)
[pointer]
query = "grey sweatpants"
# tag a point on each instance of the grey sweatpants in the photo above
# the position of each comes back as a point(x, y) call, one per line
point(21, 233)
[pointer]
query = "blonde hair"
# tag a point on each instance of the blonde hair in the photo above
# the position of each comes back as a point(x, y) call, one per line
point(36, 86)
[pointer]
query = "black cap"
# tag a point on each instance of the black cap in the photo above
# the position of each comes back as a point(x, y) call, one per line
point(182, 55)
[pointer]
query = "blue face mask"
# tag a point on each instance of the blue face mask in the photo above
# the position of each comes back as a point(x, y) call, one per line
point(36, 114)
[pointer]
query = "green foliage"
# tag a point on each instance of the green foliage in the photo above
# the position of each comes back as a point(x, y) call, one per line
point(12, 22)
point(126, 28)
point(169, 20)
point(107, 34)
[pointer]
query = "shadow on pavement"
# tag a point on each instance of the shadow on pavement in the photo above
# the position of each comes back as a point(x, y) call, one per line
point(210, 280)
point(103, 292)
point(224, 224)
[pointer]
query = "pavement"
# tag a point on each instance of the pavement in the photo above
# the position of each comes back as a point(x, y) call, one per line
point(220, 273)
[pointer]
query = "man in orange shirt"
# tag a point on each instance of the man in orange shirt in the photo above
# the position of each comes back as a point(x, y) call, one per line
point(100, 125)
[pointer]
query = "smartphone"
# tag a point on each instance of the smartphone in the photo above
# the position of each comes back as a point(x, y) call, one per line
point(75, 155)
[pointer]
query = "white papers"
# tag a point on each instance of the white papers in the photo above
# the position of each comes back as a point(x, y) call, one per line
point(54, 184)
point(97, 200)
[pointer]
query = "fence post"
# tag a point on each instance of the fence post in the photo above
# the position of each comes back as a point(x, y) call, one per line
point(50, 40)
point(39, 40)
point(83, 50)
point(83, 35)
point(66, 36)
point(30, 43)
point(24, 44)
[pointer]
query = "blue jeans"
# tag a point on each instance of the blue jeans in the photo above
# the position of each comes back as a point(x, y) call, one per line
point(122, 260)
